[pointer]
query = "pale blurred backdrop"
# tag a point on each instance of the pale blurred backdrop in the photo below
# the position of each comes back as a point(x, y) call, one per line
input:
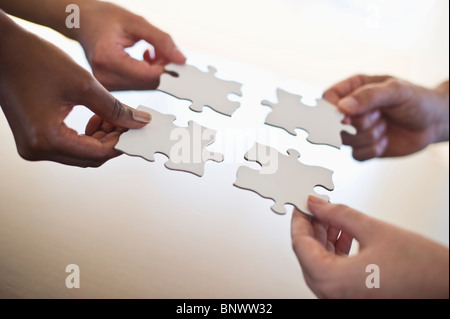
point(138, 230)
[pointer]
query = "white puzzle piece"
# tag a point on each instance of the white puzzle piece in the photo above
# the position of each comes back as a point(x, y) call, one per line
point(185, 147)
point(201, 88)
point(282, 178)
point(323, 122)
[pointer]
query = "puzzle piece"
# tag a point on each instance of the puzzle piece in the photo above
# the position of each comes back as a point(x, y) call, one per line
point(201, 88)
point(323, 122)
point(185, 147)
point(282, 178)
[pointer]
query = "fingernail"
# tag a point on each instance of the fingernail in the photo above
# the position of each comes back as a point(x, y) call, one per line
point(141, 116)
point(316, 200)
point(178, 56)
point(348, 104)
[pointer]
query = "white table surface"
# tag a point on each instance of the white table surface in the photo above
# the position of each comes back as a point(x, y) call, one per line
point(139, 230)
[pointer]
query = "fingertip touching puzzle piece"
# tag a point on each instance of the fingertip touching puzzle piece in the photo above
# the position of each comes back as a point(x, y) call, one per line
point(282, 178)
point(185, 147)
point(201, 88)
point(322, 122)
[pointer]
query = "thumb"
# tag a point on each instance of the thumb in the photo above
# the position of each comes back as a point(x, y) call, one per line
point(350, 221)
point(390, 92)
point(111, 110)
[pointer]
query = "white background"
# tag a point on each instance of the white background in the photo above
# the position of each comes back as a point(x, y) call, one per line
point(137, 229)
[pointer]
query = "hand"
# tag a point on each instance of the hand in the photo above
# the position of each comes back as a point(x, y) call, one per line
point(410, 266)
point(39, 86)
point(106, 30)
point(392, 117)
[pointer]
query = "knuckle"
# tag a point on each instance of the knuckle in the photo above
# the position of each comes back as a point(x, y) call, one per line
point(341, 207)
point(363, 123)
point(343, 210)
point(140, 20)
point(359, 78)
point(166, 40)
point(98, 59)
point(369, 94)
point(117, 111)
point(375, 150)
point(361, 156)
point(380, 148)
point(374, 134)
point(87, 84)
point(380, 130)
point(294, 245)
point(395, 86)
point(102, 78)
point(394, 83)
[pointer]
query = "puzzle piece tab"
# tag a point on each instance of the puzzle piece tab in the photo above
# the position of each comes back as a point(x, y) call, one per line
point(185, 147)
point(323, 122)
point(201, 88)
point(282, 178)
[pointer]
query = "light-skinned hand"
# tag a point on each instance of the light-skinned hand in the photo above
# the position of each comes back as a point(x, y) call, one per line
point(410, 266)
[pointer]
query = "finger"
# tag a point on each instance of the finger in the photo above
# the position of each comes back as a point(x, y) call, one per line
point(343, 244)
point(347, 86)
point(377, 149)
point(99, 135)
point(374, 95)
point(365, 121)
point(122, 72)
point(301, 224)
point(93, 125)
point(77, 149)
point(320, 231)
point(312, 255)
point(366, 138)
point(350, 221)
point(111, 110)
point(157, 59)
point(97, 125)
point(165, 47)
point(333, 234)
point(107, 127)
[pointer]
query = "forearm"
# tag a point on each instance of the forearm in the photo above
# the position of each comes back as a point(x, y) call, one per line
point(9, 33)
point(51, 13)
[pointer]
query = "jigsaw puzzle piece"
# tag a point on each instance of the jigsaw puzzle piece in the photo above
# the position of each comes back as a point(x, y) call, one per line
point(152, 139)
point(185, 147)
point(189, 153)
point(201, 88)
point(282, 178)
point(283, 113)
point(331, 122)
point(322, 122)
